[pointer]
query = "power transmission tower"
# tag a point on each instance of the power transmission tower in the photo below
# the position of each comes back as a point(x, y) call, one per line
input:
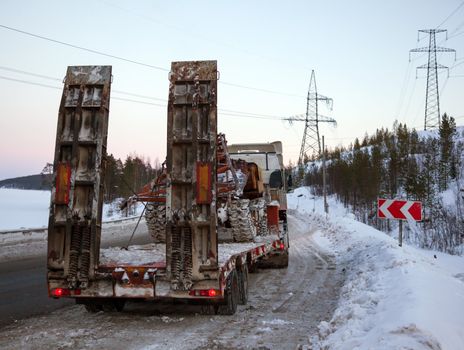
point(432, 99)
point(311, 139)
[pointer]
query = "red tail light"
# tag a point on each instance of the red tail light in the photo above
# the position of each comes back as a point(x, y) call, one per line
point(60, 292)
point(64, 292)
point(212, 293)
point(282, 246)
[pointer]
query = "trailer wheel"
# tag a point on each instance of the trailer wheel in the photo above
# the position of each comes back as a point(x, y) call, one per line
point(243, 285)
point(119, 304)
point(278, 261)
point(231, 295)
point(93, 307)
point(207, 310)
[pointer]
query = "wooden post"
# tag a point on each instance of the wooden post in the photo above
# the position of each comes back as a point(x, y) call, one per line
point(324, 190)
point(400, 234)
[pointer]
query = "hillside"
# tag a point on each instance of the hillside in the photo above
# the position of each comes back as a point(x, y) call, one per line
point(30, 182)
point(427, 166)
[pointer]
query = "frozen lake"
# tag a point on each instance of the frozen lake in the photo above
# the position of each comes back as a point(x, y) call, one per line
point(30, 209)
point(23, 208)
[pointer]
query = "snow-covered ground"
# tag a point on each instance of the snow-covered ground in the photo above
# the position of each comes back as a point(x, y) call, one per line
point(22, 209)
point(393, 297)
point(348, 286)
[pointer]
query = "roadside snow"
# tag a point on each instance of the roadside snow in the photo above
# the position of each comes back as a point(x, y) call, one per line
point(393, 297)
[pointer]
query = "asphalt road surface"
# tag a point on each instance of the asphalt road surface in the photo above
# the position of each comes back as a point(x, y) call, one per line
point(23, 288)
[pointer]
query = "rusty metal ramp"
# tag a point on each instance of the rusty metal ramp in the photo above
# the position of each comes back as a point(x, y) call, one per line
point(77, 195)
point(192, 249)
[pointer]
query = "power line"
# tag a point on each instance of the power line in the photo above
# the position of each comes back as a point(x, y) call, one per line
point(410, 98)
point(197, 34)
point(444, 85)
point(404, 89)
point(135, 62)
point(451, 14)
point(259, 89)
point(138, 95)
point(84, 48)
point(14, 70)
point(255, 114)
point(248, 116)
point(228, 112)
point(138, 101)
point(235, 112)
point(456, 65)
point(29, 82)
point(455, 35)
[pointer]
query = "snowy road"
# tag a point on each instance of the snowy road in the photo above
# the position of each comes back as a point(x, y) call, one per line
point(284, 309)
point(23, 289)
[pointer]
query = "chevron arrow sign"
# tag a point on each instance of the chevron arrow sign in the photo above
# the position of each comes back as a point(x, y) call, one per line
point(399, 209)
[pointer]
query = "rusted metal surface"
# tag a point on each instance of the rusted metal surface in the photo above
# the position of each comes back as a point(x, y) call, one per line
point(228, 181)
point(134, 281)
point(154, 191)
point(191, 139)
point(74, 229)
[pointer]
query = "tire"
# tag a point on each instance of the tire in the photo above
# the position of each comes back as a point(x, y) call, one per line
point(119, 304)
point(231, 297)
point(253, 267)
point(243, 285)
point(278, 261)
point(93, 307)
point(155, 217)
point(209, 309)
point(243, 228)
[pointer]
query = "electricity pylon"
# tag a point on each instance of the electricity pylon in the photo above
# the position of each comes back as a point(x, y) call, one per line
point(432, 98)
point(311, 139)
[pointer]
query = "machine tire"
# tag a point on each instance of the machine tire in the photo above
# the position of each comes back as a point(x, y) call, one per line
point(231, 297)
point(155, 217)
point(241, 221)
point(243, 285)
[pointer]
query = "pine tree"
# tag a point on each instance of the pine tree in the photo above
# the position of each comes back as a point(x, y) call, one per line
point(447, 131)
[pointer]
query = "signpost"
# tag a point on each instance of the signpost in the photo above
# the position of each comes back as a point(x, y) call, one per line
point(400, 210)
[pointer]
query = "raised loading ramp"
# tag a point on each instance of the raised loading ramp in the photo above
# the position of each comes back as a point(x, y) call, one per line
point(77, 193)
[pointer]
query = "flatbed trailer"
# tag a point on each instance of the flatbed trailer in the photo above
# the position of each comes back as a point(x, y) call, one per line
point(193, 266)
point(140, 273)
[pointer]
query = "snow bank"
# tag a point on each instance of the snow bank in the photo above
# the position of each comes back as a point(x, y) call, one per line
point(393, 297)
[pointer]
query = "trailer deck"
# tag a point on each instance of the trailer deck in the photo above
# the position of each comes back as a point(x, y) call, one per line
point(156, 252)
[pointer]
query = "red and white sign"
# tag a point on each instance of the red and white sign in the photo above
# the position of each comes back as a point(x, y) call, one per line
point(399, 209)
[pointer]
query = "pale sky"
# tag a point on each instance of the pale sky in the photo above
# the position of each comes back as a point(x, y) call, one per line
point(358, 49)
